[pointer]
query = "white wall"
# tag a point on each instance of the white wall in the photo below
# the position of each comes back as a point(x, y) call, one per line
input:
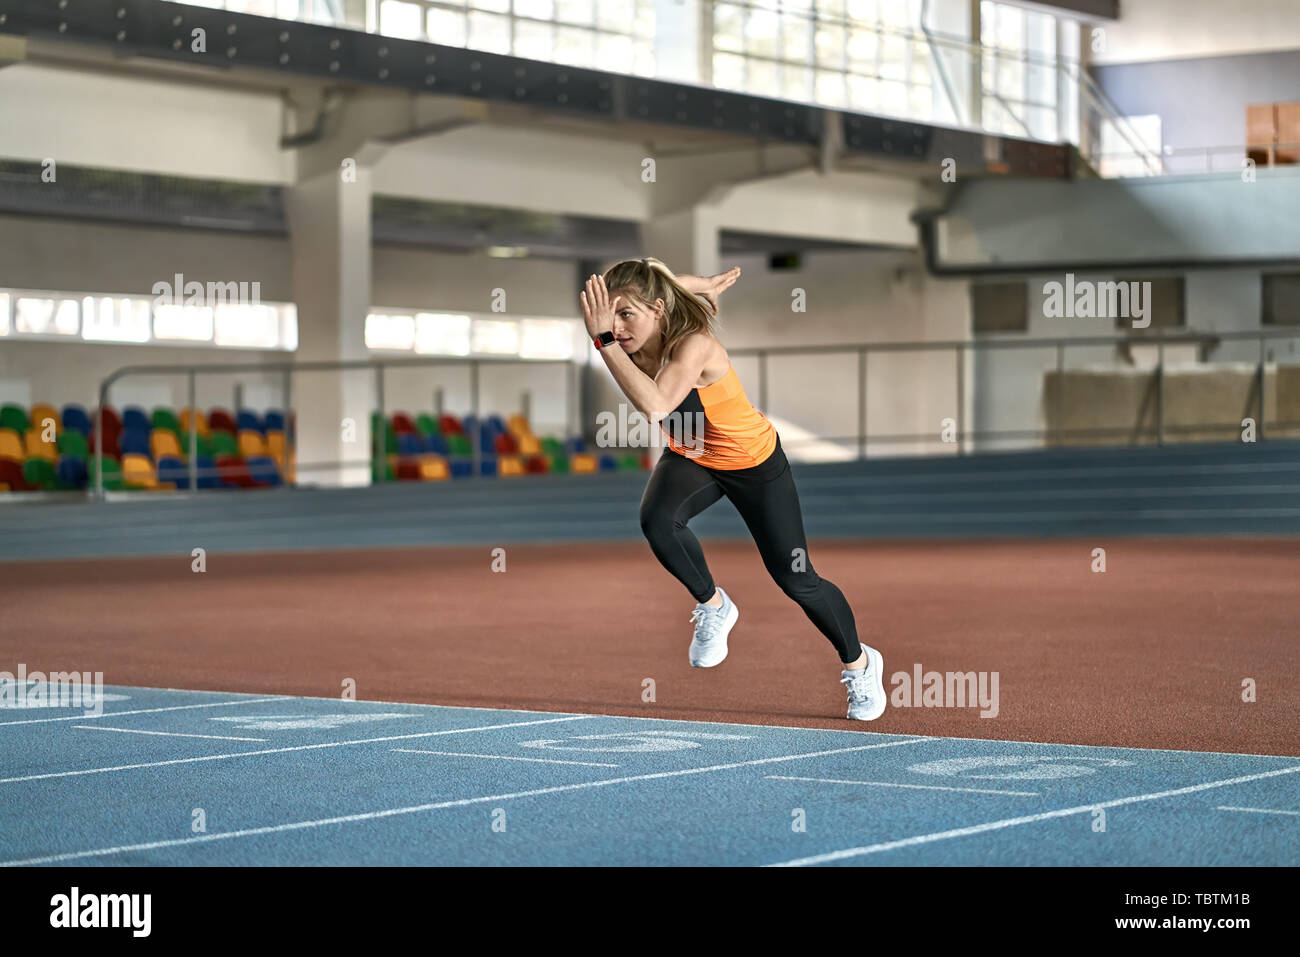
point(1167, 29)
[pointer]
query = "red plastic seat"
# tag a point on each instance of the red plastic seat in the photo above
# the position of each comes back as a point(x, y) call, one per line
point(402, 423)
point(506, 444)
point(11, 474)
point(408, 470)
point(221, 419)
point(450, 425)
point(112, 422)
point(537, 464)
point(234, 473)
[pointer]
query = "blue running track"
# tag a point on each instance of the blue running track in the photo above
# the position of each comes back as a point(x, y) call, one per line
point(186, 777)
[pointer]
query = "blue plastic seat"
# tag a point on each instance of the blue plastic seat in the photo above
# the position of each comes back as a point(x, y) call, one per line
point(135, 419)
point(134, 441)
point(462, 468)
point(438, 444)
point(206, 464)
point(72, 472)
point(75, 417)
point(575, 445)
point(175, 470)
point(264, 470)
point(411, 443)
point(247, 419)
point(608, 463)
point(274, 421)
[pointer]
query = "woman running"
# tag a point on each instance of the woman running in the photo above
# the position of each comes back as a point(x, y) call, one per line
point(658, 336)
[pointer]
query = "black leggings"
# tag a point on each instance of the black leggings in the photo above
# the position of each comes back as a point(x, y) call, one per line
point(766, 499)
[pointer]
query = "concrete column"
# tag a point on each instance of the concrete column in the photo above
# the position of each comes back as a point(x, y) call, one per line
point(329, 226)
point(687, 240)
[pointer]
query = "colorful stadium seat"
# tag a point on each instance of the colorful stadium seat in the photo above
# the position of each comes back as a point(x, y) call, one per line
point(13, 417)
point(273, 420)
point(11, 474)
point(133, 442)
point(72, 472)
point(252, 444)
point(223, 420)
point(38, 448)
point(175, 470)
point(529, 444)
point(510, 465)
point(11, 446)
point(112, 473)
point(582, 462)
point(75, 417)
point(537, 464)
point(434, 468)
point(112, 422)
point(200, 422)
point(164, 418)
point(73, 443)
point(401, 422)
point(134, 419)
point(504, 444)
point(234, 473)
point(248, 419)
point(223, 443)
point(138, 471)
point(164, 442)
point(262, 471)
point(41, 412)
point(427, 424)
point(450, 425)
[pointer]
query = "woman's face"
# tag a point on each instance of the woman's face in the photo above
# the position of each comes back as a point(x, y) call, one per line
point(635, 324)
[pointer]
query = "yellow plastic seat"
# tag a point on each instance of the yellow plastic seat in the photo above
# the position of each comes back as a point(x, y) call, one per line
point(138, 471)
point(434, 468)
point(251, 443)
point(509, 465)
point(11, 446)
point(583, 462)
point(163, 442)
point(517, 425)
point(529, 444)
point(201, 423)
point(42, 411)
point(275, 447)
point(38, 448)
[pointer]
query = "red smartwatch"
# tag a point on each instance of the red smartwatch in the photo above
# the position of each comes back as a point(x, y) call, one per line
point(602, 340)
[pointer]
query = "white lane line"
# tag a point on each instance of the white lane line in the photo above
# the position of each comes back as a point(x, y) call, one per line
point(891, 784)
point(506, 757)
point(1257, 810)
point(166, 734)
point(297, 747)
point(1027, 819)
point(462, 802)
point(729, 724)
point(118, 714)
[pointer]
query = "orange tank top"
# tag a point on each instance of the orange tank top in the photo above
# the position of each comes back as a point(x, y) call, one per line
point(718, 427)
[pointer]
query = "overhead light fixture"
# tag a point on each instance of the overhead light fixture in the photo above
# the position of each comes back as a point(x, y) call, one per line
point(507, 252)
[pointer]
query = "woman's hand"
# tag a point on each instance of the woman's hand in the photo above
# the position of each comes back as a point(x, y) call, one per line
point(597, 311)
point(709, 288)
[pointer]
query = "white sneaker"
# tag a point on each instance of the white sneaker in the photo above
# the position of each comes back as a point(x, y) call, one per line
point(709, 646)
point(866, 687)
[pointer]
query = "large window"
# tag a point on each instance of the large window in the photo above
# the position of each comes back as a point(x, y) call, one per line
point(101, 317)
point(613, 35)
point(868, 56)
point(461, 334)
point(1020, 76)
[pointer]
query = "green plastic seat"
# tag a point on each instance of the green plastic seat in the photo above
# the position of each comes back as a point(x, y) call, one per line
point(427, 424)
point(559, 463)
point(71, 442)
point(13, 417)
point(459, 445)
point(629, 463)
point(112, 473)
point(41, 473)
point(384, 473)
point(166, 419)
point(552, 446)
point(204, 444)
point(223, 443)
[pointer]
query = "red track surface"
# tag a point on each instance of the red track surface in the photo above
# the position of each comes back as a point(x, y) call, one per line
point(1152, 653)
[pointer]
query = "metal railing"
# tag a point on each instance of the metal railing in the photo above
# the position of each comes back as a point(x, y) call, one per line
point(962, 350)
point(957, 380)
point(286, 370)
